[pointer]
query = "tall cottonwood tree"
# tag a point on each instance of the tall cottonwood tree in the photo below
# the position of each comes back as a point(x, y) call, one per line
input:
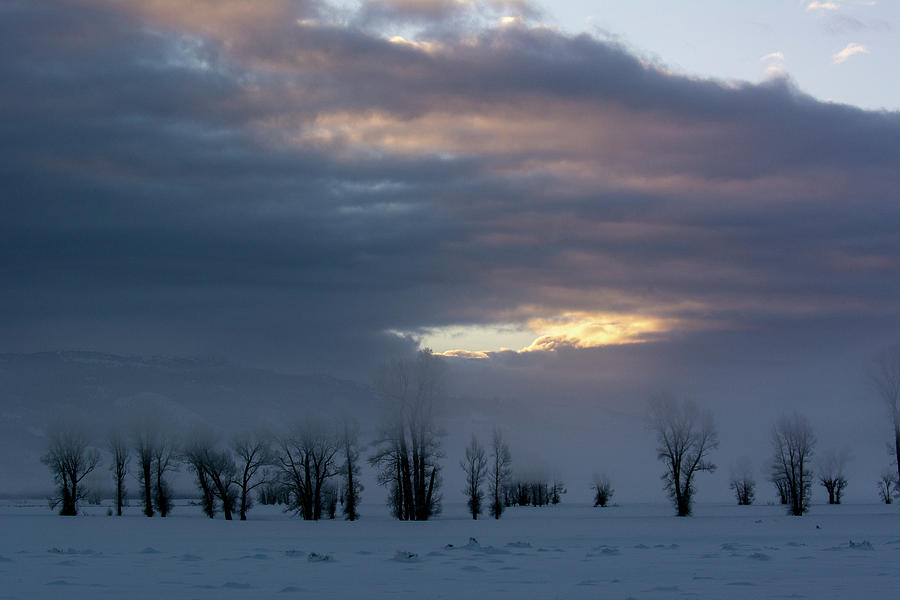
point(154, 443)
point(500, 472)
point(194, 454)
point(306, 459)
point(145, 441)
point(70, 459)
point(215, 469)
point(411, 393)
point(349, 470)
point(253, 454)
point(164, 460)
point(475, 467)
point(793, 443)
point(885, 375)
point(685, 437)
point(120, 452)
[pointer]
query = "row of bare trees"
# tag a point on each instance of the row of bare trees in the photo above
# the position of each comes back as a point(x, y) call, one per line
point(686, 436)
point(304, 465)
point(495, 469)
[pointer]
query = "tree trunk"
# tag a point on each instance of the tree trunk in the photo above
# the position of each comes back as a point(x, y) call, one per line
point(148, 490)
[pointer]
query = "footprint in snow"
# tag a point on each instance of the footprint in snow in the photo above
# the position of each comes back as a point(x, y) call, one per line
point(189, 558)
point(404, 556)
point(528, 545)
point(604, 551)
point(316, 557)
point(68, 563)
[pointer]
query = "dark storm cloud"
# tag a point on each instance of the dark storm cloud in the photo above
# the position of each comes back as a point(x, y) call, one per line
point(207, 178)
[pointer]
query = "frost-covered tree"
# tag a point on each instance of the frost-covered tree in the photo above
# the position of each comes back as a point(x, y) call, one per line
point(145, 441)
point(120, 452)
point(500, 472)
point(408, 448)
point(307, 459)
point(215, 469)
point(155, 445)
point(793, 443)
point(603, 490)
point(164, 460)
point(70, 459)
point(685, 437)
point(888, 486)
point(349, 470)
point(743, 483)
point(885, 375)
point(831, 466)
point(475, 467)
point(194, 454)
point(557, 490)
point(776, 476)
point(253, 454)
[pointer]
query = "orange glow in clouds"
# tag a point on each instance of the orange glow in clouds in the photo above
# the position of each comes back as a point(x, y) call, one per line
point(576, 329)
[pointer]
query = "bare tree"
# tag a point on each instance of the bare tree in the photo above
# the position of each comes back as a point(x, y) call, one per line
point(155, 447)
point(349, 444)
point(888, 486)
point(885, 376)
point(145, 441)
point(408, 448)
point(215, 469)
point(70, 460)
point(475, 467)
point(164, 460)
point(794, 443)
point(556, 490)
point(501, 471)
point(832, 466)
point(118, 448)
point(253, 454)
point(195, 451)
point(603, 490)
point(742, 483)
point(306, 459)
point(776, 476)
point(685, 437)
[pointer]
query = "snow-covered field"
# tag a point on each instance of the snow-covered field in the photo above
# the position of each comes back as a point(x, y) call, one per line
point(567, 551)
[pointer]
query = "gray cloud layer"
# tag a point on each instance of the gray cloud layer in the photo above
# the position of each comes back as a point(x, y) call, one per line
point(215, 180)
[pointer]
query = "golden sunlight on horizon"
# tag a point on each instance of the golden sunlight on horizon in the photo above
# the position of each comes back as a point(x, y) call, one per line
point(575, 329)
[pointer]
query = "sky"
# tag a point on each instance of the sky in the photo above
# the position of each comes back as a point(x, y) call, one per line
point(575, 203)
